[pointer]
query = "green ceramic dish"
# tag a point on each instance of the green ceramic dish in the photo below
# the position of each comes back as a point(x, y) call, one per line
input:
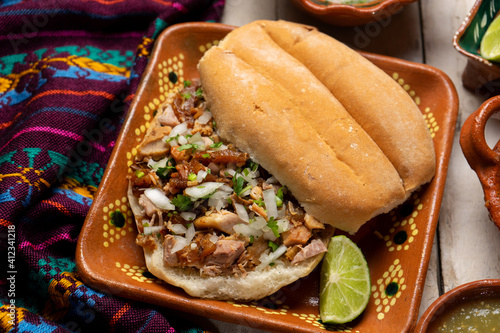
point(479, 74)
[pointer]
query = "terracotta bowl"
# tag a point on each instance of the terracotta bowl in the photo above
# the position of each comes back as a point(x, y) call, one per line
point(482, 159)
point(447, 302)
point(352, 15)
point(480, 75)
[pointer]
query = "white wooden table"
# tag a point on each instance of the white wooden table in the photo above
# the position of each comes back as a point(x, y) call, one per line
point(467, 244)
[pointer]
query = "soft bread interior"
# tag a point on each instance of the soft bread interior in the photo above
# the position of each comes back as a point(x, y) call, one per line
point(269, 100)
point(254, 285)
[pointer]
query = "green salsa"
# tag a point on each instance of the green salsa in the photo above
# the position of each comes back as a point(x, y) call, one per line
point(477, 316)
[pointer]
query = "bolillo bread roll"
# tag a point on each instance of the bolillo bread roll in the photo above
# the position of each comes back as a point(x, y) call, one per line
point(345, 138)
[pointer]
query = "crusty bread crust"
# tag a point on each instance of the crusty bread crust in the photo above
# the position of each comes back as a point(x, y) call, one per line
point(272, 101)
point(377, 102)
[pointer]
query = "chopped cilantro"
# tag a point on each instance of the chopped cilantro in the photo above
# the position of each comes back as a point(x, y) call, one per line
point(183, 202)
point(188, 146)
point(164, 172)
point(216, 145)
point(251, 239)
point(249, 187)
point(199, 92)
point(186, 95)
point(172, 138)
point(273, 225)
point(254, 166)
point(279, 197)
point(259, 202)
point(238, 183)
point(187, 83)
point(206, 156)
point(272, 245)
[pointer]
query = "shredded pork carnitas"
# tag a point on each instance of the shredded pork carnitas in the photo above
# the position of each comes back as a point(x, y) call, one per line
point(210, 206)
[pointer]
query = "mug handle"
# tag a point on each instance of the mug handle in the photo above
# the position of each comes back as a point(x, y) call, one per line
point(474, 146)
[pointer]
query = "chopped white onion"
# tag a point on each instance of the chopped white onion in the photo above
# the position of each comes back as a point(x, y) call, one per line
point(205, 117)
point(241, 211)
point(271, 180)
point(177, 130)
point(226, 188)
point(246, 193)
point(203, 190)
point(188, 216)
point(196, 138)
point(265, 259)
point(222, 147)
point(157, 164)
point(201, 175)
point(214, 238)
point(269, 235)
point(190, 232)
point(218, 203)
point(229, 171)
point(245, 230)
point(270, 201)
point(259, 223)
point(152, 230)
point(220, 195)
point(283, 225)
point(182, 140)
point(159, 199)
point(178, 229)
point(180, 243)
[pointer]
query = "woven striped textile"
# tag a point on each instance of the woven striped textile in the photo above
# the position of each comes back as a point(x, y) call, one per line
point(65, 67)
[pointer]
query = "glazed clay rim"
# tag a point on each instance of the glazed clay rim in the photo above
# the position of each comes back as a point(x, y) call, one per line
point(472, 138)
point(456, 294)
point(368, 11)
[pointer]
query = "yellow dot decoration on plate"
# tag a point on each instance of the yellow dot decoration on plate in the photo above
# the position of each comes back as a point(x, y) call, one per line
point(388, 289)
point(118, 221)
point(404, 228)
point(137, 273)
point(315, 320)
point(431, 122)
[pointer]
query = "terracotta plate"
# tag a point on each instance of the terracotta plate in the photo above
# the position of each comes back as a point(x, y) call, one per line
point(397, 245)
point(351, 15)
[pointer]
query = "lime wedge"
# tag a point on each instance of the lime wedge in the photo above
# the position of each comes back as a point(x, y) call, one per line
point(490, 44)
point(344, 283)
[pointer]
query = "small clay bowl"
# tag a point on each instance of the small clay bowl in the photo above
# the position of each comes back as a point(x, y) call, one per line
point(480, 75)
point(352, 15)
point(481, 158)
point(460, 295)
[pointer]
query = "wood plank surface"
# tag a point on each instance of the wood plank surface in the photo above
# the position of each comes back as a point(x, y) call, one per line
point(467, 244)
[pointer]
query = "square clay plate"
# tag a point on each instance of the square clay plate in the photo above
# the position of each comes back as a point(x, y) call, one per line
point(397, 245)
